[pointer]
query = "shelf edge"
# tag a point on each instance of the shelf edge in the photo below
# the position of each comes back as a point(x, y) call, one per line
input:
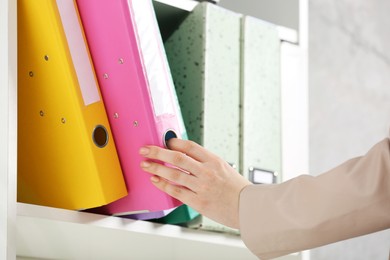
point(136, 226)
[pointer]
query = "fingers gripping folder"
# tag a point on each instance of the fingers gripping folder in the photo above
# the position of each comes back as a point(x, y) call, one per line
point(134, 78)
point(66, 153)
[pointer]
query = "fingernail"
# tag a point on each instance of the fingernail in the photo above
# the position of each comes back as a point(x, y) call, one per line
point(145, 164)
point(155, 179)
point(144, 151)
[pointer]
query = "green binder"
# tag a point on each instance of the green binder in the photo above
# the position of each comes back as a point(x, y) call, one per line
point(260, 150)
point(204, 58)
point(179, 216)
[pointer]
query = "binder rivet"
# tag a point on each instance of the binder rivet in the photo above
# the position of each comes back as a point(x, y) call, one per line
point(63, 120)
point(46, 58)
point(41, 113)
point(31, 74)
point(121, 61)
point(116, 115)
point(105, 75)
point(135, 123)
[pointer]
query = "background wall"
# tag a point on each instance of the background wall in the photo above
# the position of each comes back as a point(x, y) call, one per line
point(349, 94)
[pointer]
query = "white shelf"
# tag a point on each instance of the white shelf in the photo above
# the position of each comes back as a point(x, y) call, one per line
point(50, 233)
point(44, 232)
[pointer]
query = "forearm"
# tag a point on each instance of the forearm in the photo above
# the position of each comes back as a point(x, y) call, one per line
point(351, 200)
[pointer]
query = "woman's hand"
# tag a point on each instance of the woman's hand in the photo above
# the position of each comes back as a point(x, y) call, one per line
point(199, 179)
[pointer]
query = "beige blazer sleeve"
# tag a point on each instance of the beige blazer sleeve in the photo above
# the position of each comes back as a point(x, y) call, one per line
point(306, 212)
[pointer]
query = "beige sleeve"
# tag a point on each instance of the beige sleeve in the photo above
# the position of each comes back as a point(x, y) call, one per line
point(350, 200)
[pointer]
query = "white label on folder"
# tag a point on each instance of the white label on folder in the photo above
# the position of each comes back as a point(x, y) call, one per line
point(157, 75)
point(264, 177)
point(78, 51)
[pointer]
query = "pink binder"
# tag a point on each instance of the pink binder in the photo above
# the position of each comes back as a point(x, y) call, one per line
point(139, 100)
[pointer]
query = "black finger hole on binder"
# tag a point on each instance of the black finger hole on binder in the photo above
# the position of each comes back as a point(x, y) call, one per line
point(169, 135)
point(100, 136)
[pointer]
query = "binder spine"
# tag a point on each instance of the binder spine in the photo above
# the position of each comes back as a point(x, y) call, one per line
point(204, 57)
point(156, 66)
point(186, 58)
point(261, 97)
point(98, 132)
point(124, 81)
point(59, 163)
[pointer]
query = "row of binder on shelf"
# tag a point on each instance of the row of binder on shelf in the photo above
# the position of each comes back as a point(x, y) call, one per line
point(94, 85)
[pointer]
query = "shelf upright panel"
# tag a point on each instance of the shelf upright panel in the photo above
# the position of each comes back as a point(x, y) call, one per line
point(8, 132)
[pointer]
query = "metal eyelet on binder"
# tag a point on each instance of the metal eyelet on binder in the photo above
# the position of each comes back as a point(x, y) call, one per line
point(63, 120)
point(135, 123)
point(41, 113)
point(31, 74)
point(100, 136)
point(121, 61)
point(105, 75)
point(168, 135)
point(46, 58)
point(116, 115)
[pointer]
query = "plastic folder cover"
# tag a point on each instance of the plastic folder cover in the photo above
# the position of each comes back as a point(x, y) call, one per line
point(66, 153)
point(139, 100)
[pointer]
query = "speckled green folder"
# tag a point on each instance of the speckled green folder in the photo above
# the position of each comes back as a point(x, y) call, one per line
point(260, 96)
point(204, 57)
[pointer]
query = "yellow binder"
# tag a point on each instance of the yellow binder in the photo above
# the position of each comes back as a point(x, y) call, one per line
point(66, 153)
